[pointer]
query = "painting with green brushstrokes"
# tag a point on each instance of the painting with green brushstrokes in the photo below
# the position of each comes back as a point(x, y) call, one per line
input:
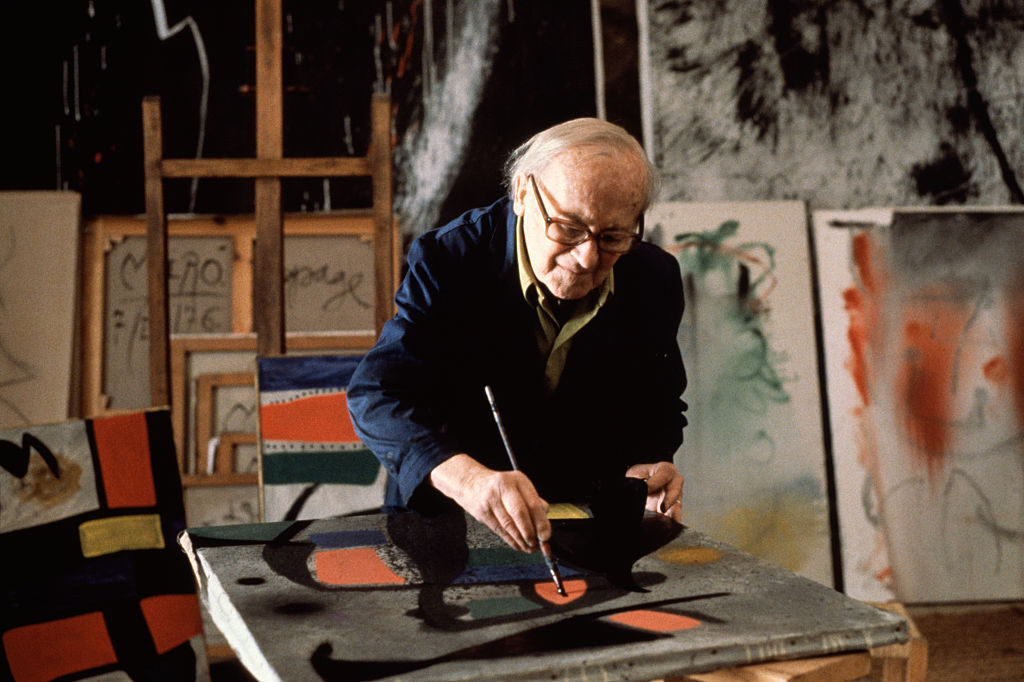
point(753, 454)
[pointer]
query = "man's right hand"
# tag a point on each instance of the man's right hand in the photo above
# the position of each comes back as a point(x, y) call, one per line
point(505, 501)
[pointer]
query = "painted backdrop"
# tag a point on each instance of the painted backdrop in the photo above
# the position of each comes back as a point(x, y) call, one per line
point(843, 104)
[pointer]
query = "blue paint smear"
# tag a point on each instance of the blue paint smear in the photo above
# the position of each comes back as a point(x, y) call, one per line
point(349, 538)
point(498, 574)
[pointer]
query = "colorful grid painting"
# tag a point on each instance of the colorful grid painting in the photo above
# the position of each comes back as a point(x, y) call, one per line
point(312, 463)
point(94, 580)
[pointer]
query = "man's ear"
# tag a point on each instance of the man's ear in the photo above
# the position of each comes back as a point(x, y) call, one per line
point(520, 186)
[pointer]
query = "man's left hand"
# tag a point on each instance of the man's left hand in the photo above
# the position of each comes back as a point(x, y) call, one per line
point(664, 487)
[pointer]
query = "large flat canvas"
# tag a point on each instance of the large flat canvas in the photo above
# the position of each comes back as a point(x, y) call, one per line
point(38, 277)
point(93, 583)
point(753, 453)
point(402, 596)
point(924, 351)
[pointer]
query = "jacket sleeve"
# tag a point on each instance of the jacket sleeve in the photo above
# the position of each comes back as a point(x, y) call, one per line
point(389, 396)
point(659, 416)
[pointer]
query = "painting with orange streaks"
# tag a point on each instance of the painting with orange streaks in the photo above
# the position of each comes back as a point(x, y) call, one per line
point(922, 318)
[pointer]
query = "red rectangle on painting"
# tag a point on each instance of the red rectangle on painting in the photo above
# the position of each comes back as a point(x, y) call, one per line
point(122, 446)
point(314, 419)
point(173, 619)
point(44, 651)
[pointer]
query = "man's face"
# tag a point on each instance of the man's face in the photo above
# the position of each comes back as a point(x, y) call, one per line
point(583, 187)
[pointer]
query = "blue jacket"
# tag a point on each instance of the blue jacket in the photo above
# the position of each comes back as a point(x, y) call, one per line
point(462, 323)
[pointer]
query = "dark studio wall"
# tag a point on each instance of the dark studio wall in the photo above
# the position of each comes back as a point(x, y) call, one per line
point(844, 104)
point(468, 81)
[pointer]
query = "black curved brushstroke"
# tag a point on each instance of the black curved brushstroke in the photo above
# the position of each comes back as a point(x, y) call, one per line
point(571, 633)
point(15, 458)
point(300, 501)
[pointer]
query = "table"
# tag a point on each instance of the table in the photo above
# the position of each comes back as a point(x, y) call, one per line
point(405, 596)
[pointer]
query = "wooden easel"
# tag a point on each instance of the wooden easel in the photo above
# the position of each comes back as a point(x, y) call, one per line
point(266, 169)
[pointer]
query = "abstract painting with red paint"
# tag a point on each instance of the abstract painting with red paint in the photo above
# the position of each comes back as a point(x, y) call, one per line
point(923, 321)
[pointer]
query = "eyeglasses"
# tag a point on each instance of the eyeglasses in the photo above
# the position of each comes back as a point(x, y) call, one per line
point(574, 234)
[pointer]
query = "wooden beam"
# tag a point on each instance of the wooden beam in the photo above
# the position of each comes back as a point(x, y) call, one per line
point(344, 166)
point(156, 254)
point(268, 265)
point(383, 234)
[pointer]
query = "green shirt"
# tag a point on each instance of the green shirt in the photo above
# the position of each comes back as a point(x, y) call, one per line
point(557, 320)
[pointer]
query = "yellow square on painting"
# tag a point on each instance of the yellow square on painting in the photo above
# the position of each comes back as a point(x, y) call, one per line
point(117, 533)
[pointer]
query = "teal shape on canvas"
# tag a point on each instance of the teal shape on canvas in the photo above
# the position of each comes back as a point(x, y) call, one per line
point(351, 467)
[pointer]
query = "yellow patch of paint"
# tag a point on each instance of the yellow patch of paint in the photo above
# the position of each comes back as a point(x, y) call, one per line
point(690, 555)
point(565, 510)
point(777, 528)
point(119, 533)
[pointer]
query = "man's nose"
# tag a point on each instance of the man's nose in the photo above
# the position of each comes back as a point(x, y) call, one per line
point(587, 254)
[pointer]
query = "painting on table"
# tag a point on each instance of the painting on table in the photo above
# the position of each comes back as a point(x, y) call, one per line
point(94, 583)
point(924, 351)
point(753, 452)
point(312, 464)
point(463, 605)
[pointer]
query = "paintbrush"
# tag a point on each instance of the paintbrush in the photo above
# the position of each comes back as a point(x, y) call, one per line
point(545, 547)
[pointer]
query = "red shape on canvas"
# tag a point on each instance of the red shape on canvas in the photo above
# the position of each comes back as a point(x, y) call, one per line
point(315, 419)
point(173, 619)
point(44, 651)
point(359, 566)
point(574, 589)
point(654, 621)
point(122, 446)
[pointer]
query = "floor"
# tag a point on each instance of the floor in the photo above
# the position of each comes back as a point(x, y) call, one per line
point(966, 643)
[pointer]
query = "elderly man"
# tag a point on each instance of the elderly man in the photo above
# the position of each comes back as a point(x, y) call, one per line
point(549, 297)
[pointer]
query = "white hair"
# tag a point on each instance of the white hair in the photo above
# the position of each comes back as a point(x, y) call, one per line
point(534, 155)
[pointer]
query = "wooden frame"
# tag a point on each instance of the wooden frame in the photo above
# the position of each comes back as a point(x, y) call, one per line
point(104, 232)
point(222, 463)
